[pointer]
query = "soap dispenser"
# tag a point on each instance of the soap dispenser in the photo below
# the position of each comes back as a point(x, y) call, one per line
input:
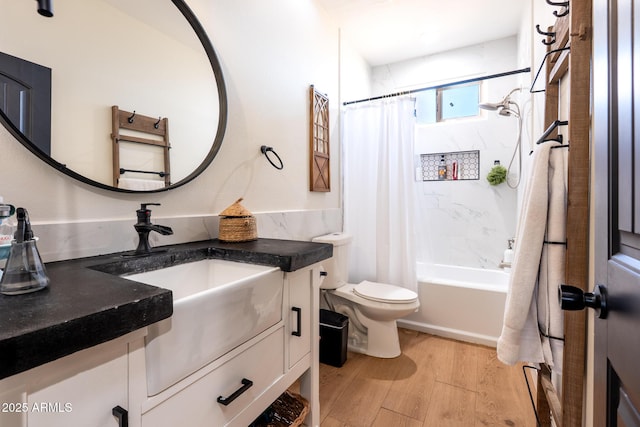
point(24, 271)
point(442, 169)
point(507, 258)
point(7, 226)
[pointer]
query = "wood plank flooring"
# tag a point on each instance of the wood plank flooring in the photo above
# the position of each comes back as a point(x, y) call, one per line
point(435, 382)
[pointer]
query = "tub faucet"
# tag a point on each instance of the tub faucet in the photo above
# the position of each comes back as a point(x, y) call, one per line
point(144, 227)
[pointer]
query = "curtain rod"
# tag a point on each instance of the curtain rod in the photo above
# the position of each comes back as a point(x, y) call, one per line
point(476, 79)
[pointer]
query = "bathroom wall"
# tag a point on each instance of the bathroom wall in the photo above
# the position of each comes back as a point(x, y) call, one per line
point(465, 223)
point(270, 54)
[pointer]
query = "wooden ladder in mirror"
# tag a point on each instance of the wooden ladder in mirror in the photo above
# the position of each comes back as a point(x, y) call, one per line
point(140, 129)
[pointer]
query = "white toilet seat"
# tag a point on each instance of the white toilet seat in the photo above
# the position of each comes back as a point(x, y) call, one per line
point(382, 292)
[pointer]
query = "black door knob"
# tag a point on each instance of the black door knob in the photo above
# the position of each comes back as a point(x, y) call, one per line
point(572, 298)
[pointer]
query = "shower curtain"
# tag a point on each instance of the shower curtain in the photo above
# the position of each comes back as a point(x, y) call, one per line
point(379, 191)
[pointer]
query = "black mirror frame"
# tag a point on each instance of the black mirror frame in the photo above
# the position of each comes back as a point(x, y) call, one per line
point(222, 120)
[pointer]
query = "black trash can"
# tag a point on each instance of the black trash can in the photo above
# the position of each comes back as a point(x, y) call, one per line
point(334, 330)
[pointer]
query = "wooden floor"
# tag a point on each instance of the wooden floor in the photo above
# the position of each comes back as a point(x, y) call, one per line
point(435, 382)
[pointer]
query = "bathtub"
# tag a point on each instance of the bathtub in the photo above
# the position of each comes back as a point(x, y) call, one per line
point(459, 302)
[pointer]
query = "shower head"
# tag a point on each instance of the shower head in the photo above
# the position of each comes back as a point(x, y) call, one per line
point(503, 106)
point(490, 106)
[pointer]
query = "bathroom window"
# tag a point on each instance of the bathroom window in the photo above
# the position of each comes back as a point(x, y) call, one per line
point(446, 103)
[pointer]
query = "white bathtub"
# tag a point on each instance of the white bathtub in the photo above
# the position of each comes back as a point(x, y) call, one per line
point(460, 302)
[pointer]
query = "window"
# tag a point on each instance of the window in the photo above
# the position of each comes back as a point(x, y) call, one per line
point(445, 103)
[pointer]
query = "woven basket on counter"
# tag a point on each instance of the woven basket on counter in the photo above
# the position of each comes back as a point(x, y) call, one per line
point(289, 410)
point(237, 224)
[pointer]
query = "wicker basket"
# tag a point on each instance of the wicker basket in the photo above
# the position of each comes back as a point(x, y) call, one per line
point(289, 410)
point(237, 224)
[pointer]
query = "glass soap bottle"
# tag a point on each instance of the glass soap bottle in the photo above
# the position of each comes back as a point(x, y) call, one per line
point(442, 169)
point(24, 272)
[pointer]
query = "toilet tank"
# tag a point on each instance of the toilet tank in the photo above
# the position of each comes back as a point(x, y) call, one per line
point(337, 267)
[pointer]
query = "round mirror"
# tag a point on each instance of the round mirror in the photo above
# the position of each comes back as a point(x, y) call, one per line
point(123, 96)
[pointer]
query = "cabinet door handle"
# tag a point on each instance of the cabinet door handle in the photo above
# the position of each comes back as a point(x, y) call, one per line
point(246, 384)
point(122, 415)
point(297, 332)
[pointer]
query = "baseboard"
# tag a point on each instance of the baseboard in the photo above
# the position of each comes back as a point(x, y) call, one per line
point(456, 334)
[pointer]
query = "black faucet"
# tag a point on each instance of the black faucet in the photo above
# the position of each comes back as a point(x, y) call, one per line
point(144, 227)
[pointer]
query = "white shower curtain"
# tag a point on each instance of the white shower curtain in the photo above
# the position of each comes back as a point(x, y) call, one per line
point(379, 190)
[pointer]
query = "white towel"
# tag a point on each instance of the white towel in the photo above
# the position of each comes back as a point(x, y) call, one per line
point(137, 184)
point(538, 267)
point(552, 263)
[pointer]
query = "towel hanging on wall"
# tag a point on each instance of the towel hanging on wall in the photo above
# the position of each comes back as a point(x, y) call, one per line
point(532, 305)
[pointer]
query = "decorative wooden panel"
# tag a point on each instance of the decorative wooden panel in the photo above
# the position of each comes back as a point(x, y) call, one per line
point(319, 135)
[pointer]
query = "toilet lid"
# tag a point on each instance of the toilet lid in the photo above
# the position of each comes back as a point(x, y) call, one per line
point(384, 293)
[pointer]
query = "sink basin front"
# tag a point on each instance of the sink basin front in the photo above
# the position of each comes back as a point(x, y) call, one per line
point(217, 305)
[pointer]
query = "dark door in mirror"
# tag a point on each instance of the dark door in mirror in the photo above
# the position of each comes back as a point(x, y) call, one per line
point(25, 97)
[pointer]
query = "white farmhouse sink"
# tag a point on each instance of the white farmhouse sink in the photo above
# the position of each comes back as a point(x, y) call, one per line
point(217, 305)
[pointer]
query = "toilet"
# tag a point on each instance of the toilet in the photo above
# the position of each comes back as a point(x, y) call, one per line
point(372, 307)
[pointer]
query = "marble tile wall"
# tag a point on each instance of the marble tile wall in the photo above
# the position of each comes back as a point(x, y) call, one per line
point(68, 240)
point(467, 223)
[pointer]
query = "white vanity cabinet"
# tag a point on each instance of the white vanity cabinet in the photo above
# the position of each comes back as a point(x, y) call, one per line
point(250, 377)
point(81, 389)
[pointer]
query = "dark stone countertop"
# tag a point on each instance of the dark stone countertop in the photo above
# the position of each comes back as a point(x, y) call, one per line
point(87, 303)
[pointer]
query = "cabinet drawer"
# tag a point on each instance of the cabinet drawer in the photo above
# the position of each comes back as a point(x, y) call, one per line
point(197, 404)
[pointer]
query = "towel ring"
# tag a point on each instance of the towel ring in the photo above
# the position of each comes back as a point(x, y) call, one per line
point(265, 150)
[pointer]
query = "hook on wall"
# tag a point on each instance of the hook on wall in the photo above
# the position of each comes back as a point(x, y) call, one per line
point(156, 124)
point(265, 150)
point(130, 119)
point(565, 12)
point(551, 34)
point(564, 4)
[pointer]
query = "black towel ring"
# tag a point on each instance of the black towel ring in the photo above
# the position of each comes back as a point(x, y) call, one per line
point(264, 149)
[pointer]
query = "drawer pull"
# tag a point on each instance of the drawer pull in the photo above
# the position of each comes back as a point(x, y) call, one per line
point(122, 415)
point(246, 384)
point(298, 332)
